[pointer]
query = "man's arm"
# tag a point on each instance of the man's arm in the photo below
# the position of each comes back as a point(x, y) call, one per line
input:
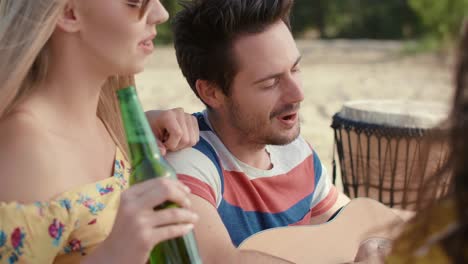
point(327, 198)
point(214, 241)
point(341, 201)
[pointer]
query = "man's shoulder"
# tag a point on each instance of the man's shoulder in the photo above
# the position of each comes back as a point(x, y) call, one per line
point(202, 122)
point(202, 156)
point(199, 167)
point(203, 147)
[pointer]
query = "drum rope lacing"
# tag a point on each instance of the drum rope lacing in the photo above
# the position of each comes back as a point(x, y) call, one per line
point(382, 133)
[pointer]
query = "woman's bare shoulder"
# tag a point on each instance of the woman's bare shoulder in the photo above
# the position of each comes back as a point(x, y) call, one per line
point(25, 166)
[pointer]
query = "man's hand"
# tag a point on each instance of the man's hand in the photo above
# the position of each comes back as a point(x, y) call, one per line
point(174, 129)
point(373, 251)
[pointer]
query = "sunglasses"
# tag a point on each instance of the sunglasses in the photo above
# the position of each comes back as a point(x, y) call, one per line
point(142, 5)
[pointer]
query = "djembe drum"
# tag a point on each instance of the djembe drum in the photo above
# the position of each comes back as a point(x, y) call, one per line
point(388, 149)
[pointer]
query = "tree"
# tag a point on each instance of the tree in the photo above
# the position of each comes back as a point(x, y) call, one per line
point(442, 18)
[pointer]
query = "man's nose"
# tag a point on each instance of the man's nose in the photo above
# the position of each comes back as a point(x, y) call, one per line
point(293, 92)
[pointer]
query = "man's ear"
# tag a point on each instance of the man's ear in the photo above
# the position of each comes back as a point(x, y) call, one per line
point(210, 93)
point(68, 21)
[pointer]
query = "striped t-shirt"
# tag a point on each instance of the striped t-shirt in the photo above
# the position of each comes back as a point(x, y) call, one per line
point(248, 199)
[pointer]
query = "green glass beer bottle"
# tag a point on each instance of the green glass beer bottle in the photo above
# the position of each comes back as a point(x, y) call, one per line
point(147, 163)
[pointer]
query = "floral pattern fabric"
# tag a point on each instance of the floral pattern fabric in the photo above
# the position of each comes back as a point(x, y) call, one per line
point(64, 229)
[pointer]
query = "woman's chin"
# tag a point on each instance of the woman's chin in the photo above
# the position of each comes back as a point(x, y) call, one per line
point(138, 70)
point(135, 69)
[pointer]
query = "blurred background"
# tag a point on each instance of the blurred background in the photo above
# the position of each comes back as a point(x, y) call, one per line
point(435, 22)
point(352, 50)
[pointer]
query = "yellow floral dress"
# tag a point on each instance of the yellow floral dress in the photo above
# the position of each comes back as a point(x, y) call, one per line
point(421, 243)
point(66, 228)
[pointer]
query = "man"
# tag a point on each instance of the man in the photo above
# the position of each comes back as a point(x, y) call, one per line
point(250, 170)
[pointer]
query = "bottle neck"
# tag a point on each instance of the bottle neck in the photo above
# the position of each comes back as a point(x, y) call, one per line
point(139, 135)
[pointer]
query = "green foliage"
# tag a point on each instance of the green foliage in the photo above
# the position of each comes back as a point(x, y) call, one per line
point(164, 30)
point(433, 21)
point(307, 14)
point(441, 19)
point(389, 19)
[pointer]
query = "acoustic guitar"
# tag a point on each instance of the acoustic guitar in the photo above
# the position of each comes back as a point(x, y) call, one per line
point(336, 241)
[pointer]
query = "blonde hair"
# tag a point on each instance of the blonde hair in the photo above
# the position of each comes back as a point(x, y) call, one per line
point(25, 28)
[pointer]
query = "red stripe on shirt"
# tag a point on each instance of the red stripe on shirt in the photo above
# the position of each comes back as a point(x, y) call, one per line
point(271, 194)
point(199, 188)
point(326, 203)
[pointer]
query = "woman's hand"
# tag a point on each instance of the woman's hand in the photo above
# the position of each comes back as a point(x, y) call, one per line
point(173, 128)
point(138, 227)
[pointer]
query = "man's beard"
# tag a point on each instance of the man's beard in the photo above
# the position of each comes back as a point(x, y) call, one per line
point(260, 132)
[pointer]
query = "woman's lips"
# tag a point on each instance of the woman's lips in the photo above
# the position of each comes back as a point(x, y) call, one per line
point(147, 46)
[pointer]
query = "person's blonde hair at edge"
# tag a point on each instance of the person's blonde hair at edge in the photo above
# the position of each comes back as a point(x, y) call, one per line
point(25, 28)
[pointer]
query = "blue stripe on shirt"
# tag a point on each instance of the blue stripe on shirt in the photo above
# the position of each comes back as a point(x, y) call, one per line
point(242, 224)
point(204, 147)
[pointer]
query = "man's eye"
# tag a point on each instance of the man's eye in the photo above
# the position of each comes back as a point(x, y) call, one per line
point(296, 69)
point(134, 3)
point(272, 83)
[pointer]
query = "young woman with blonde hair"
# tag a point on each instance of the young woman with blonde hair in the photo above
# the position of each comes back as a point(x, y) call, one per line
point(64, 196)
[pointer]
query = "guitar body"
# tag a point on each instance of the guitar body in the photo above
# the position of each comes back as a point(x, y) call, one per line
point(336, 241)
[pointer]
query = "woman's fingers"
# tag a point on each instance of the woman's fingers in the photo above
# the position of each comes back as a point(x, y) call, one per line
point(166, 190)
point(180, 132)
point(170, 223)
point(161, 147)
point(170, 216)
point(170, 232)
point(156, 191)
point(174, 128)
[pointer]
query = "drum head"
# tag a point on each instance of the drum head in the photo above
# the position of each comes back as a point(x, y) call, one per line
point(395, 113)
